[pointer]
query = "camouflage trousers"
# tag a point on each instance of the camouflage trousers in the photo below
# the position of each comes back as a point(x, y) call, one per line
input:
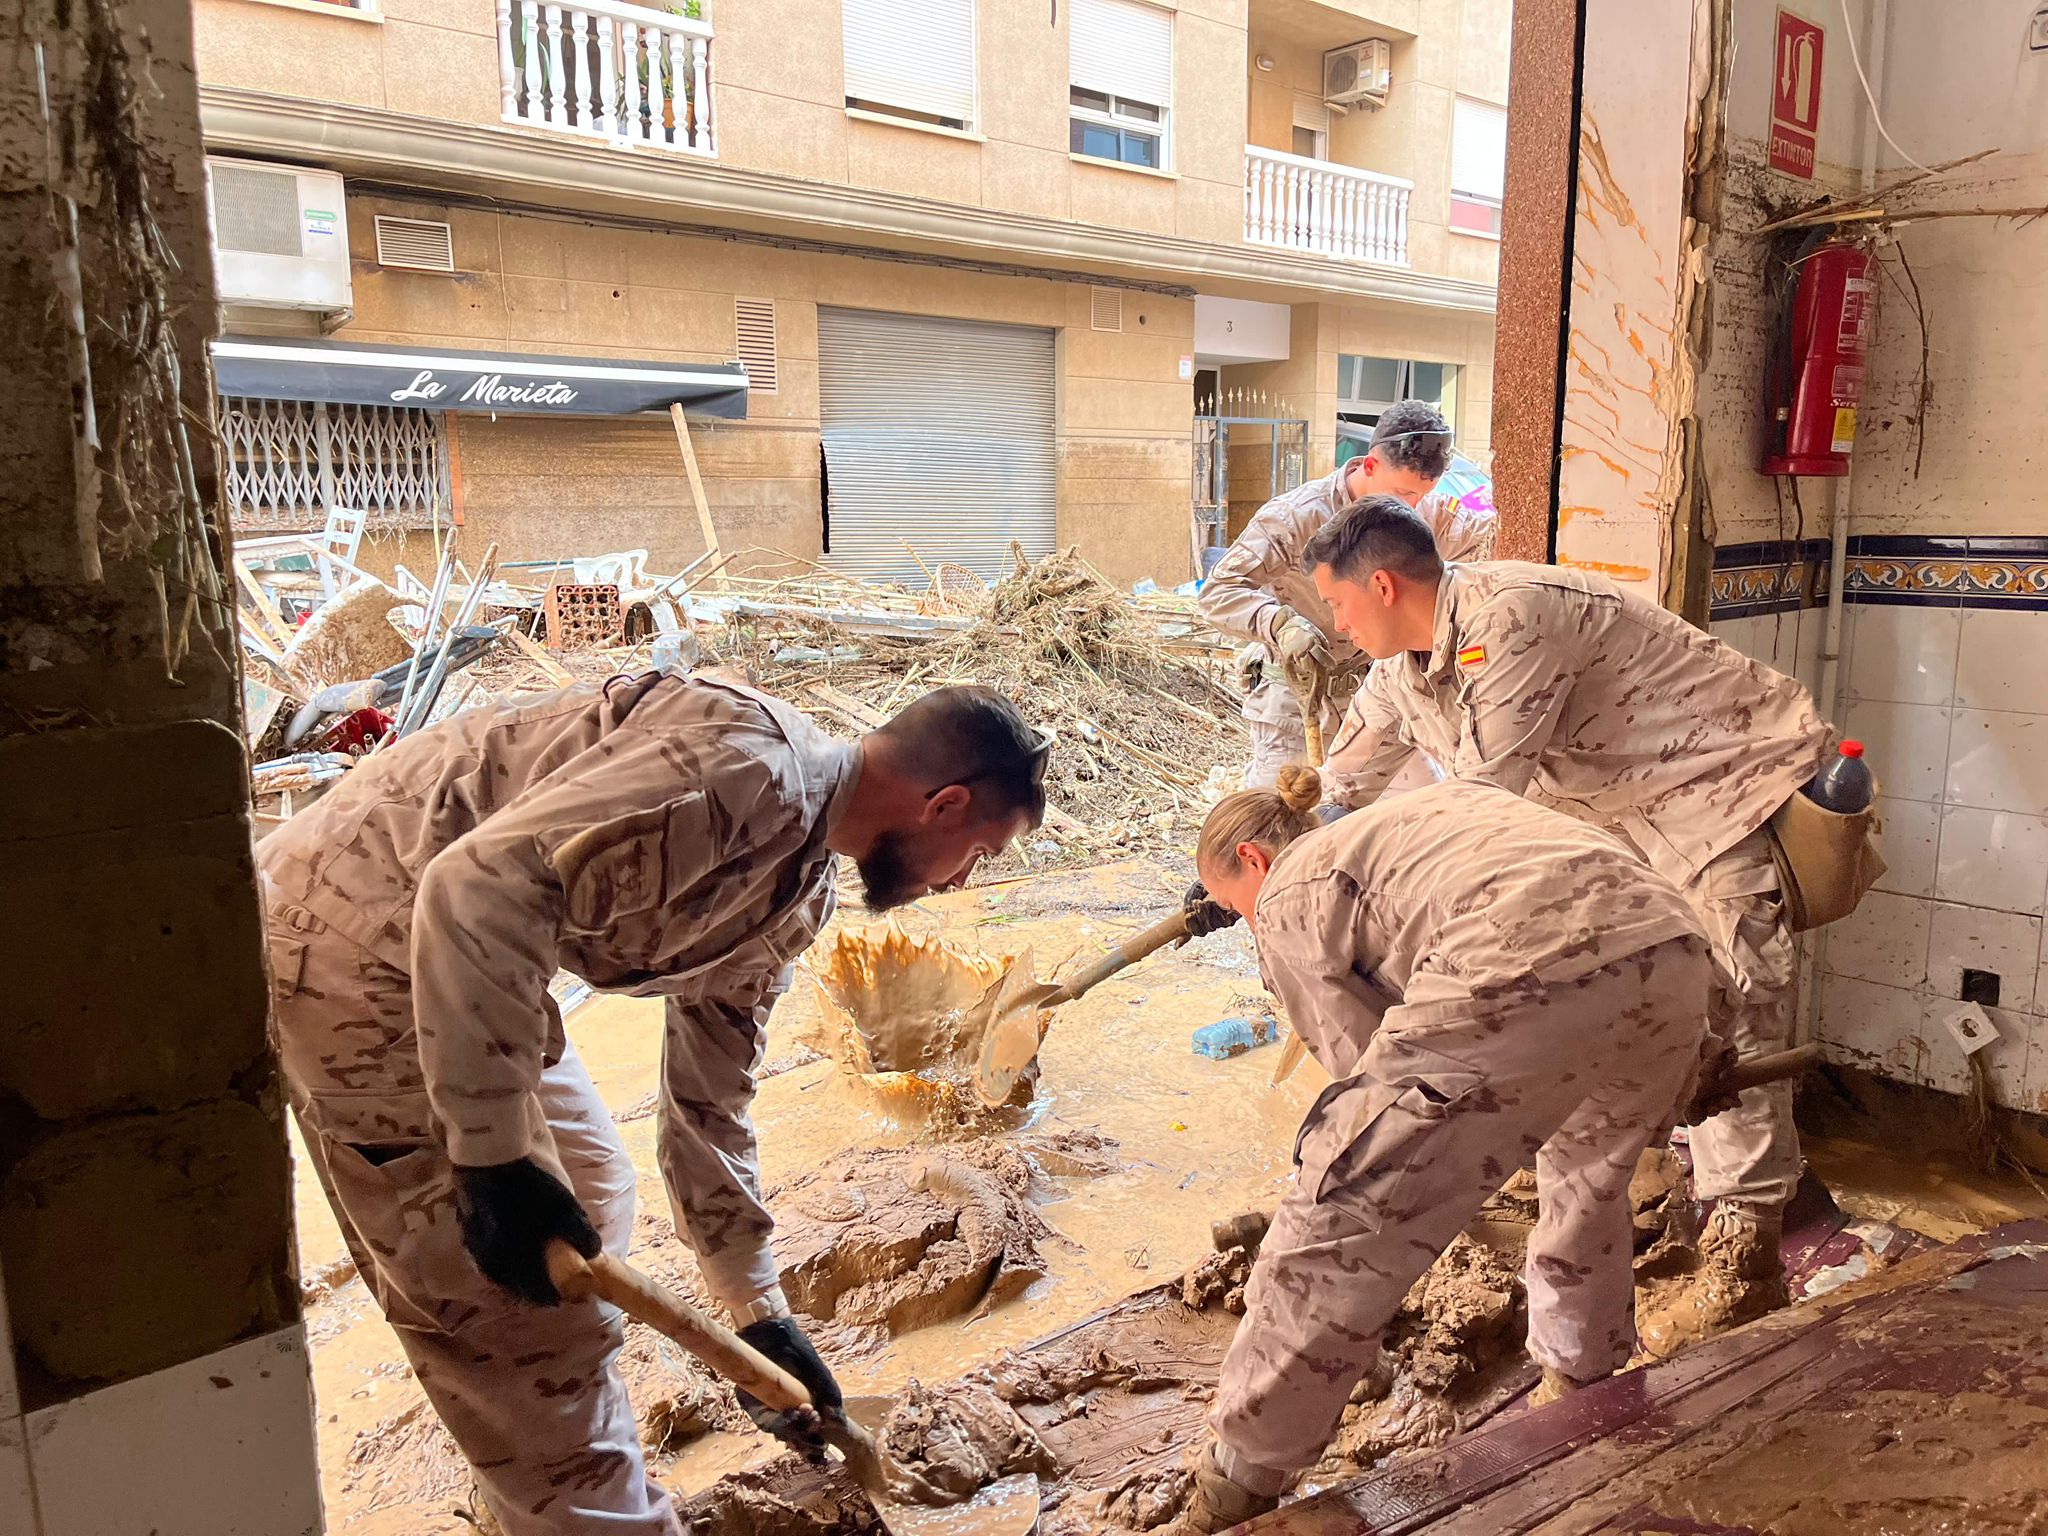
point(1450, 1099)
point(1750, 1153)
point(530, 1394)
point(1273, 714)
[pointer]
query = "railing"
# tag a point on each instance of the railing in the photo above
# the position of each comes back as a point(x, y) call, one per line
point(1333, 210)
point(626, 73)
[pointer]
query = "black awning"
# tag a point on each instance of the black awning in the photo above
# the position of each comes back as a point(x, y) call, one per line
point(438, 379)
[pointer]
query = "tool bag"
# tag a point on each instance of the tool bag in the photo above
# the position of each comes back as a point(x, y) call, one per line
point(1826, 861)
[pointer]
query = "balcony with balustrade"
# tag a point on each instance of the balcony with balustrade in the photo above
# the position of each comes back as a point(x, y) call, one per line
point(1330, 210)
point(629, 75)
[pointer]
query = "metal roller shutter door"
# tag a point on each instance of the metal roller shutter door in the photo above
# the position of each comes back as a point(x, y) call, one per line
point(939, 433)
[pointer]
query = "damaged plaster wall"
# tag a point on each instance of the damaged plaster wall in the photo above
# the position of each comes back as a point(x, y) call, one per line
point(1628, 380)
point(148, 1300)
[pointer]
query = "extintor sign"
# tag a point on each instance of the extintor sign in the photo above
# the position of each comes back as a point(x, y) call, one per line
point(1795, 96)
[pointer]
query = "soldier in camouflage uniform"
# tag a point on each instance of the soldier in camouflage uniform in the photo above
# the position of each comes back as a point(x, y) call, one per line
point(1557, 684)
point(657, 836)
point(1489, 983)
point(1260, 592)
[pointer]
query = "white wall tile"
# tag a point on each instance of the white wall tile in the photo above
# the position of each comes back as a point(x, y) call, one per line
point(2033, 1094)
point(1907, 745)
point(17, 1496)
point(1884, 940)
point(1911, 833)
point(221, 1445)
point(1991, 859)
point(1813, 626)
point(2006, 942)
point(1877, 1028)
point(1905, 655)
point(1999, 761)
point(2007, 1061)
point(2003, 661)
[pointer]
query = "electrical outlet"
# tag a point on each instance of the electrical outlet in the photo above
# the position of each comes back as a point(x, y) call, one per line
point(2037, 34)
point(1980, 987)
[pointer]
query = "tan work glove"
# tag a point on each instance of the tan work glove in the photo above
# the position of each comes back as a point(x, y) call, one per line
point(1296, 640)
point(1709, 1098)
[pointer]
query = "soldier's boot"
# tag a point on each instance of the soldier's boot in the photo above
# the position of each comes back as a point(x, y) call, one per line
point(1741, 1251)
point(1556, 1384)
point(1215, 1503)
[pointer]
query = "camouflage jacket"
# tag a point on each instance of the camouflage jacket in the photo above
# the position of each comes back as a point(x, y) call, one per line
point(658, 835)
point(1559, 684)
point(1452, 890)
point(1260, 581)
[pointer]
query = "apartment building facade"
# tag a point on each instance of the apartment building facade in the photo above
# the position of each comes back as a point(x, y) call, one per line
point(929, 275)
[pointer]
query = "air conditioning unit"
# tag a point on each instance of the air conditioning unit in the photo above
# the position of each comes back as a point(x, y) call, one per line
point(280, 235)
point(1361, 72)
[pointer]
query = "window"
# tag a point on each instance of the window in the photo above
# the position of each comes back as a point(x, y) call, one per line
point(288, 462)
point(912, 59)
point(1366, 386)
point(1311, 128)
point(1121, 56)
point(1479, 154)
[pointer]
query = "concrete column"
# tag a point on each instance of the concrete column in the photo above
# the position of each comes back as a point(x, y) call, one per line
point(153, 1374)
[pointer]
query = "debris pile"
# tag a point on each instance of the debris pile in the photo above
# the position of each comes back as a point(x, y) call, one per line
point(1138, 691)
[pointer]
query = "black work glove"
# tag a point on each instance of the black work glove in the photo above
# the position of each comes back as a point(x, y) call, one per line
point(508, 1212)
point(784, 1343)
point(1206, 915)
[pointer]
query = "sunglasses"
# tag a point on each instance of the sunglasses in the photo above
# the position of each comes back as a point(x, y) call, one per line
point(1041, 754)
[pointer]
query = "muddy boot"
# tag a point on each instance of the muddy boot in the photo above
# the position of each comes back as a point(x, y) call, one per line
point(1741, 1248)
point(1738, 1277)
point(1556, 1384)
point(1215, 1503)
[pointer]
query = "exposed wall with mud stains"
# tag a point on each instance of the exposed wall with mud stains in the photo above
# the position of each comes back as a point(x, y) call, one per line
point(1626, 384)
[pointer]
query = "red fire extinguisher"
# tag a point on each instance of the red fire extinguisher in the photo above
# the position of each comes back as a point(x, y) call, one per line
point(1813, 377)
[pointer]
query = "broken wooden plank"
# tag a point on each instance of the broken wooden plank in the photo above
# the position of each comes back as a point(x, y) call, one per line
point(675, 413)
point(536, 653)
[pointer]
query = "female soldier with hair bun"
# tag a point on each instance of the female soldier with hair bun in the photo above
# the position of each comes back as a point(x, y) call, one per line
point(1489, 984)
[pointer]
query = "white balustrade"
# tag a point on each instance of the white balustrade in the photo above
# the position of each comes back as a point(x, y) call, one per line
point(625, 73)
point(1332, 210)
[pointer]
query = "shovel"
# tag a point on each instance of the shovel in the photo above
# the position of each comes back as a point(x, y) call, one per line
point(642, 1297)
point(1014, 1003)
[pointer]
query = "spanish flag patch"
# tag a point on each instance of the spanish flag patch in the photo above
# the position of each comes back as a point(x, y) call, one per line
point(1472, 656)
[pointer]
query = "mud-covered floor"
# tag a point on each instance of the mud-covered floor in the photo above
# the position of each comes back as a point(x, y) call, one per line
point(940, 1260)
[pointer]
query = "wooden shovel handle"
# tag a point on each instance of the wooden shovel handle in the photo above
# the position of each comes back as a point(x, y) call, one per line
point(1758, 1070)
point(641, 1296)
point(1132, 950)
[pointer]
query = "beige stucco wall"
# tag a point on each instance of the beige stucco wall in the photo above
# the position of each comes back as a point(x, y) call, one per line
point(549, 487)
point(780, 107)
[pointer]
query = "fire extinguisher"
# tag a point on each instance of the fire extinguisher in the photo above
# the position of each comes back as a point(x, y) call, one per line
point(1813, 374)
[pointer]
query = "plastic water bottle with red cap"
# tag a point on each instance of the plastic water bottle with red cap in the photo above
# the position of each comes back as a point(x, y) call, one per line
point(1844, 784)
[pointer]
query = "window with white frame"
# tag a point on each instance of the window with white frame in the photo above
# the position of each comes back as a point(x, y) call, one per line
point(912, 59)
point(1479, 157)
point(1121, 82)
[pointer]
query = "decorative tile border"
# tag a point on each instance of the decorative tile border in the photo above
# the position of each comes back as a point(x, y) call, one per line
point(1930, 571)
point(1775, 576)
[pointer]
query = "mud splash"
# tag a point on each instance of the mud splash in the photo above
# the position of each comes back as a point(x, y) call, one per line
point(906, 1019)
